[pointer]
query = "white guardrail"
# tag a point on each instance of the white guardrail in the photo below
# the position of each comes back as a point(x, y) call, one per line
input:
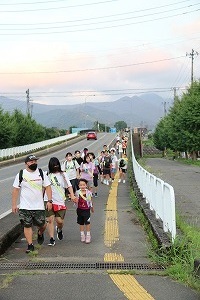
point(12, 152)
point(158, 194)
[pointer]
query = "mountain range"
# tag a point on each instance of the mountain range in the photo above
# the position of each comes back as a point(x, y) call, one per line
point(138, 111)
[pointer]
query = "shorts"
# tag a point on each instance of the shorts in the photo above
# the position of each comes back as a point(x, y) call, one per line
point(95, 180)
point(113, 171)
point(58, 214)
point(28, 218)
point(90, 183)
point(123, 170)
point(106, 171)
point(83, 216)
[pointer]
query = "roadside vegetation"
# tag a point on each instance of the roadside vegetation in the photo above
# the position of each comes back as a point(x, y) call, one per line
point(178, 260)
point(17, 129)
point(179, 130)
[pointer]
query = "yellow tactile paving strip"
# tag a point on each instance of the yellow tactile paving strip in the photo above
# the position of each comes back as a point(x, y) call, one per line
point(113, 257)
point(111, 234)
point(130, 287)
point(126, 283)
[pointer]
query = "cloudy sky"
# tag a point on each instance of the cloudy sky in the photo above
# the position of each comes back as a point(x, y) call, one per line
point(73, 51)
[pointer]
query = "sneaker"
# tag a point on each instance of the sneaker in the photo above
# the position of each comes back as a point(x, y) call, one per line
point(88, 239)
point(82, 238)
point(104, 181)
point(52, 242)
point(119, 180)
point(124, 181)
point(107, 182)
point(40, 238)
point(30, 248)
point(95, 195)
point(59, 234)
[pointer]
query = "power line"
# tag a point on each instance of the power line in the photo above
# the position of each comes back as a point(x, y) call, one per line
point(30, 3)
point(83, 93)
point(96, 23)
point(108, 16)
point(92, 69)
point(54, 8)
point(103, 27)
point(88, 91)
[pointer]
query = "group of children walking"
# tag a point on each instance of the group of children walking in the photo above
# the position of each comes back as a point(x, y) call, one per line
point(77, 178)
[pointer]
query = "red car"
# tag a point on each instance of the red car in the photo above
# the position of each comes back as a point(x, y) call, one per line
point(91, 135)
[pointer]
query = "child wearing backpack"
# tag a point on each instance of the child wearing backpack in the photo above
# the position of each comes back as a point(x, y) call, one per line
point(59, 182)
point(122, 163)
point(71, 167)
point(107, 162)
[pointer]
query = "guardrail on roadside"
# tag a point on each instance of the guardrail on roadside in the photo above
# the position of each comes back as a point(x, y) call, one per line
point(12, 152)
point(158, 194)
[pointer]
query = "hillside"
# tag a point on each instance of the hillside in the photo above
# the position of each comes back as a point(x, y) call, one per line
point(137, 110)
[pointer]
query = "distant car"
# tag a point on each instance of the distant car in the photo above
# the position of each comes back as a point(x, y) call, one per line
point(91, 135)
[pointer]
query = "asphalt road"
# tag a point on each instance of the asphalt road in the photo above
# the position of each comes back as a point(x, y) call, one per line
point(8, 173)
point(117, 237)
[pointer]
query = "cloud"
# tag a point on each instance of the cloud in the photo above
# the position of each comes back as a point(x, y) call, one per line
point(186, 29)
point(42, 57)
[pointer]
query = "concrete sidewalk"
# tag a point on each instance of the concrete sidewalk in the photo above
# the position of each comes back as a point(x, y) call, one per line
point(68, 269)
point(185, 181)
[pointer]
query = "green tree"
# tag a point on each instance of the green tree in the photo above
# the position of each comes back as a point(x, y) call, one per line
point(120, 125)
point(160, 135)
point(5, 130)
point(70, 128)
point(96, 126)
point(180, 129)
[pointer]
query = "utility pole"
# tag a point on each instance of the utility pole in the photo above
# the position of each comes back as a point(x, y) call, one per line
point(192, 54)
point(27, 103)
point(165, 108)
point(174, 89)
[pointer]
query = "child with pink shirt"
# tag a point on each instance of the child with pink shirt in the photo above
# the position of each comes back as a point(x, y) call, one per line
point(84, 206)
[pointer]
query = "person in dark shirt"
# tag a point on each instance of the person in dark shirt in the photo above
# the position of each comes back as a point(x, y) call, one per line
point(77, 157)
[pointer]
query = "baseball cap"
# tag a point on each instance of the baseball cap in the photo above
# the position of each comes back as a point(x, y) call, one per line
point(30, 158)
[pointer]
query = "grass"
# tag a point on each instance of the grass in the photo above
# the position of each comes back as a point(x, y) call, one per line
point(179, 258)
point(189, 161)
